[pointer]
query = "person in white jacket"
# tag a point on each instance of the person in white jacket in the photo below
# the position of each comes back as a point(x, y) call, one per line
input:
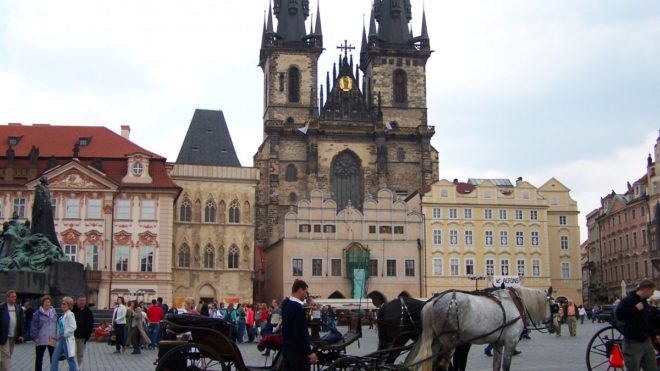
point(66, 341)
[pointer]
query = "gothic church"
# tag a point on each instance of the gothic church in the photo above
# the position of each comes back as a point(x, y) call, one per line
point(360, 129)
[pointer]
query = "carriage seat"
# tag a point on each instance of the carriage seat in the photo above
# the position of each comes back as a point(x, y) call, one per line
point(185, 320)
point(354, 333)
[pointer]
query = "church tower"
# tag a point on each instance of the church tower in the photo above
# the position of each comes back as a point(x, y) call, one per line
point(363, 128)
point(289, 60)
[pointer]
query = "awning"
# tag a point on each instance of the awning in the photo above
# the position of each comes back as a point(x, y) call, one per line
point(120, 291)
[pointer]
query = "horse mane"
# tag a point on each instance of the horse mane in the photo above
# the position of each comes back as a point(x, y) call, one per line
point(534, 301)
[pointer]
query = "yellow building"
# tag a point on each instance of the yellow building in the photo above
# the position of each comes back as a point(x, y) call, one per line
point(214, 215)
point(489, 229)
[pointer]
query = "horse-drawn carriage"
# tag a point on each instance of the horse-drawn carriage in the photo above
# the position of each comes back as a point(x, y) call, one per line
point(204, 343)
point(447, 324)
point(603, 343)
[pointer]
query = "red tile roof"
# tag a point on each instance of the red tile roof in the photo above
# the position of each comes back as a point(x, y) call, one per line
point(58, 141)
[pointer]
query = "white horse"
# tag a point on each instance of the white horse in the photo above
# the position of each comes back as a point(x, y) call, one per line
point(455, 317)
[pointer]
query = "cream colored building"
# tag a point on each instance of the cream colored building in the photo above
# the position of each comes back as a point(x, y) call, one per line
point(325, 248)
point(491, 228)
point(214, 215)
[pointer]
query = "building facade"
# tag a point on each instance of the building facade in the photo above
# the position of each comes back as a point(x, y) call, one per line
point(112, 204)
point(351, 254)
point(624, 235)
point(364, 129)
point(487, 229)
point(215, 215)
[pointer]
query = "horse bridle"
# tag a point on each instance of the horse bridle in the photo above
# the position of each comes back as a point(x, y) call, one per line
point(547, 328)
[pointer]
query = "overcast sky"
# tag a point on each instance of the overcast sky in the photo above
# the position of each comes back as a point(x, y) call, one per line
point(537, 89)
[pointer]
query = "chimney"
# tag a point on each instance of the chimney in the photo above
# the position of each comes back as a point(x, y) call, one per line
point(126, 131)
point(519, 180)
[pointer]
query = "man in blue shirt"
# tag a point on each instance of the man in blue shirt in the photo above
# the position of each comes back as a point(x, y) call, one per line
point(296, 347)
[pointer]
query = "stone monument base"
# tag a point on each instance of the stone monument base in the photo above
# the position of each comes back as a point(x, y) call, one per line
point(61, 279)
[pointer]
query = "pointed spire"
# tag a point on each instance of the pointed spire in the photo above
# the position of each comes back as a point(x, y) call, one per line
point(357, 75)
point(393, 18)
point(372, 24)
point(410, 32)
point(291, 17)
point(363, 47)
point(327, 84)
point(263, 33)
point(269, 24)
point(319, 31)
point(425, 30)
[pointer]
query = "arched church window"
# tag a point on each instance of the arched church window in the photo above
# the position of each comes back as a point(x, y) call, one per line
point(291, 173)
point(294, 85)
point(400, 86)
point(186, 211)
point(209, 257)
point(184, 257)
point(209, 212)
point(234, 212)
point(232, 258)
point(347, 184)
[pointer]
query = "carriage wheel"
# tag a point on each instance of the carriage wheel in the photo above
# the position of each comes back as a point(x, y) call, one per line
point(600, 346)
point(192, 357)
point(349, 363)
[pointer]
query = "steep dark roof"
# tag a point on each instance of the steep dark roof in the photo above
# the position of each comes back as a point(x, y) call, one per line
point(208, 141)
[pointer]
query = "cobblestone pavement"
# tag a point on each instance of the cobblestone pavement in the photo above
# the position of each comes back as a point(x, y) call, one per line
point(543, 352)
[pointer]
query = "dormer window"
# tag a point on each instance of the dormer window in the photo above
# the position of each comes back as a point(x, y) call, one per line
point(138, 169)
point(12, 141)
point(84, 141)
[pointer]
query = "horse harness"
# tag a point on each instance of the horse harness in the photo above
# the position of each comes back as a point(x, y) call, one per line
point(453, 305)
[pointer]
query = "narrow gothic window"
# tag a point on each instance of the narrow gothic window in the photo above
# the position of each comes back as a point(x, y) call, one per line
point(209, 257)
point(184, 257)
point(294, 85)
point(209, 212)
point(291, 173)
point(232, 261)
point(400, 86)
point(347, 180)
point(186, 211)
point(234, 212)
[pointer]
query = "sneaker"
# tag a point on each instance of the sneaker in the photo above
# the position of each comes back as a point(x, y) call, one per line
point(516, 352)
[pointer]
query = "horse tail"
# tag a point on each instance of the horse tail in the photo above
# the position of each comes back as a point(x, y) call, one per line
point(423, 348)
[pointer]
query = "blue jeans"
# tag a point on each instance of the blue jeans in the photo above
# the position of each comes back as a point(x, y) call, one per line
point(154, 330)
point(241, 330)
point(59, 350)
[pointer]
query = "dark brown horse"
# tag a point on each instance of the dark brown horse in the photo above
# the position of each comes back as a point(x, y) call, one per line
point(399, 321)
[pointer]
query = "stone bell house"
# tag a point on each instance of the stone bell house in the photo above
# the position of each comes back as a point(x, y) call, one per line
point(486, 228)
point(215, 215)
point(360, 129)
point(112, 204)
point(325, 248)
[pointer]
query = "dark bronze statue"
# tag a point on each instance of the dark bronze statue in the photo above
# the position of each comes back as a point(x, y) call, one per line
point(31, 246)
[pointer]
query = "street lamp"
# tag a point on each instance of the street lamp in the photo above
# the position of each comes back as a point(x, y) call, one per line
point(476, 280)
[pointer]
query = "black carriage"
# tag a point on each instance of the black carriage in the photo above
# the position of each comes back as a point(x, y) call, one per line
point(202, 343)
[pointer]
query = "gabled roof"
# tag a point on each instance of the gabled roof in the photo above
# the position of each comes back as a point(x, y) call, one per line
point(208, 141)
point(58, 141)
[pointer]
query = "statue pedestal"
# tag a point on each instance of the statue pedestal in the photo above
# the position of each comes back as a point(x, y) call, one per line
point(61, 279)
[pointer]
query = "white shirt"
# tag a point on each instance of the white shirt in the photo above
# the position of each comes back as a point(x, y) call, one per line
point(119, 316)
point(12, 320)
point(295, 299)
